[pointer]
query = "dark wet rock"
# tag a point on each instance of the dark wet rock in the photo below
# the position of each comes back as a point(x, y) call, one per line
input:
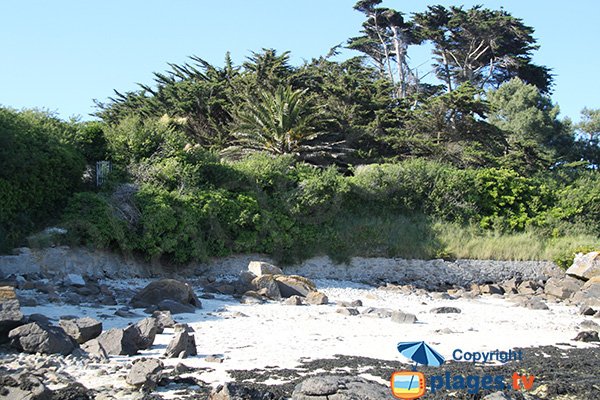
point(175, 307)
point(339, 388)
point(148, 327)
point(259, 268)
point(316, 298)
point(37, 338)
point(24, 386)
point(39, 318)
point(403, 318)
point(294, 301)
point(166, 289)
point(145, 372)
point(225, 288)
point(182, 345)
point(290, 285)
point(81, 329)
point(120, 341)
point(347, 311)
point(587, 336)
point(207, 296)
point(164, 320)
point(445, 310)
point(10, 312)
point(73, 391)
point(268, 283)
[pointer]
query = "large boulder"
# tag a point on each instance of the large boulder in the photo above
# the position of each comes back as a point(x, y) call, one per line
point(269, 284)
point(339, 388)
point(165, 289)
point(37, 338)
point(585, 266)
point(562, 288)
point(182, 345)
point(120, 341)
point(164, 320)
point(145, 372)
point(259, 268)
point(148, 327)
point(10, 312)
point(589, 294)
point(294, 285)
point(81, 329)
point(175, 307)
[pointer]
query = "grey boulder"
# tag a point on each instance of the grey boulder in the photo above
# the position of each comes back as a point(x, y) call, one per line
point(46, 339)
point(165, 289)
point(10, 317)
point(145, 372)
point(81, 329)
point(120, 341)
point(182, 345)
point(290, 285)
point(175, 307)
point(403, 318)
point(148, 327)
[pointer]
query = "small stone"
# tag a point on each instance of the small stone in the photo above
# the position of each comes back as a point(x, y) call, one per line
point(214, 359)
point(585, 310)
point(445, 310)
point(145, 373)
point(378, 312)
point(182, 345)
point(347, 311)
point(251, 297)
point(587, 336)
point(164, 319)
point(491, 289)
point(316, 298)
point(294, 301)
point(74, 280)
point(403, 318)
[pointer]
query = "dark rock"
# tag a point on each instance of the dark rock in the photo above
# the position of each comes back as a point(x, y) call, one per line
point(225, 288)
point(73, 391)
point(182, 345)
point(145, 372)
point(120, 341)
point(148, 327)
point(339, 388)
point(164, 319)
point(445, 310)
point(175, 307)
point(10, 312)
point(125, 313)
point(585, 310)
point(39, 318)
point(251, 297)
point(183, 328)
point(316, 298)
point(81, 329)
point(207, 296)
point(72, 299)
point(403, 318)
point(37, 338)
point(587, 336)
point(94, 348)
point(166, 289)
point(347, 311)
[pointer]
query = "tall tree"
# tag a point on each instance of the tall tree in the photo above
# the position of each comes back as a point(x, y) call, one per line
point(482, 46)
point(385, 38)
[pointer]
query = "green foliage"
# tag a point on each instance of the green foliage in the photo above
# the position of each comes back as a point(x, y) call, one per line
point(38, 172)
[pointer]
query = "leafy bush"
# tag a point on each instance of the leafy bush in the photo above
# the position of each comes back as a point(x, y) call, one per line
point(38, 173)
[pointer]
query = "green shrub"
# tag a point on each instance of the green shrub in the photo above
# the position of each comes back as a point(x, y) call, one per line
point(38, 173)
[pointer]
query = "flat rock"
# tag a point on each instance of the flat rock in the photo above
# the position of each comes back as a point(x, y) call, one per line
point(81, 329)
point(445, 310)
point(37, 338)
point(340, 388)
point(175, 307)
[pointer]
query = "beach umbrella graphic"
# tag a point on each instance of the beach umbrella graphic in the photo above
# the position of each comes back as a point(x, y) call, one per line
point(421, 353)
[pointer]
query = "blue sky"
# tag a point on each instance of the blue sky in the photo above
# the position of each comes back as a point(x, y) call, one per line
point(61, 54)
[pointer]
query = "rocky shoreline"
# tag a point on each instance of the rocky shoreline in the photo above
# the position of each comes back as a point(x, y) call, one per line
point(74, 336)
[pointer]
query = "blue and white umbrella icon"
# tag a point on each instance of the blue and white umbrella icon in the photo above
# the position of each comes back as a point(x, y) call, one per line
point(421, 353)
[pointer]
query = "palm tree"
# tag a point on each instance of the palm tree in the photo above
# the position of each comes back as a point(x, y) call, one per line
point(283, 122)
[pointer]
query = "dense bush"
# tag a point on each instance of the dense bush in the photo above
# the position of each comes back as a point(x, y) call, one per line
point(38, 173)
